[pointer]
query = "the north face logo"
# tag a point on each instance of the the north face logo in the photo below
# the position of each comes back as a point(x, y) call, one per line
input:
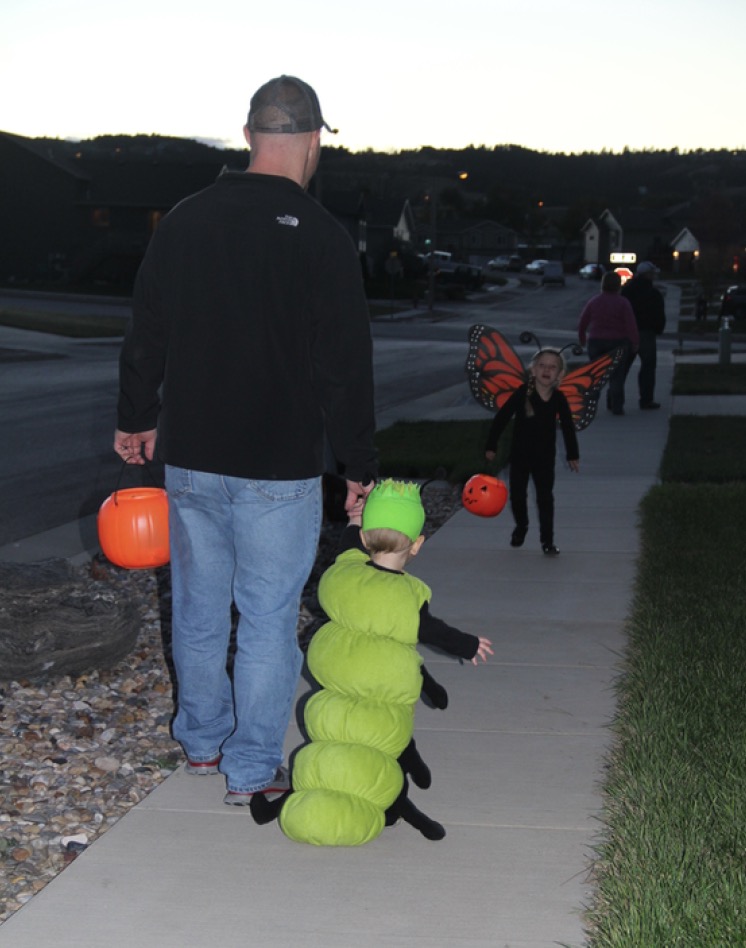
point(288, 220)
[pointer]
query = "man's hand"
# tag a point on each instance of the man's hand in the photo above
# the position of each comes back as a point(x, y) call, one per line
point(355, 493)
point(135, 448)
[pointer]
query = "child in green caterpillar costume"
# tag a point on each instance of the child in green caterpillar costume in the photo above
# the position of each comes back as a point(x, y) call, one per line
point(350, 781)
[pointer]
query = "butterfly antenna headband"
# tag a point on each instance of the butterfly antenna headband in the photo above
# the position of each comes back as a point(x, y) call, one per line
point(527, 337)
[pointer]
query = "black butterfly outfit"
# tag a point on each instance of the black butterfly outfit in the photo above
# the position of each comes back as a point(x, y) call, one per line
point(533, 451)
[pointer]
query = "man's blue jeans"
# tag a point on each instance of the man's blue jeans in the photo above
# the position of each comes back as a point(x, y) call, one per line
point(252, 543)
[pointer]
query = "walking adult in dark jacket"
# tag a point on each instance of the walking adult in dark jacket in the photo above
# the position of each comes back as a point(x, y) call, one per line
point(650, 313)
point(248, 347)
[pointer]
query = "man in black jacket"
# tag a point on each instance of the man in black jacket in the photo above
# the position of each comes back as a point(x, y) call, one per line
point(650, 313)
point(248, 349)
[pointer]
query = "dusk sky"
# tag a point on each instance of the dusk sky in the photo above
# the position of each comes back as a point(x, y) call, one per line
point(567, 76)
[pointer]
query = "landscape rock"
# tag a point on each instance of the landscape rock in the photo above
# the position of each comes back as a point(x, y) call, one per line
point(57, 620)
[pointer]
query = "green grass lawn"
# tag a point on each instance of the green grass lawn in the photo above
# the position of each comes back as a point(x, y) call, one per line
point(671, 867)
point(421, 449)
point(709, 378)
point(705, 449)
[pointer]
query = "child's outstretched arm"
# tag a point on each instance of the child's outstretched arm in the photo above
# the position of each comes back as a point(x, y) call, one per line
point(434, 631)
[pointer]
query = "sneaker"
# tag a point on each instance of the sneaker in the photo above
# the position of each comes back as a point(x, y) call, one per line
point(202, 766)
point(550, 549)
point(518, 536)
point(280, 784)
point(649, 406)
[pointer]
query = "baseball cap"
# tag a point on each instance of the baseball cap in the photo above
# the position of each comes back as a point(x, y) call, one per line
point(285, 105)
point(395, 505)
point(646, 267)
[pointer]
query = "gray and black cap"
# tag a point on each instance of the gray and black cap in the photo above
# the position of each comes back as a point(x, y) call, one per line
point(285, 105)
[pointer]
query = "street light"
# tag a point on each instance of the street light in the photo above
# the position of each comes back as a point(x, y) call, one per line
point(431, 198)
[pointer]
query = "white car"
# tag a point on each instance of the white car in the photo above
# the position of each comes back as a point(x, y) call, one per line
point(591, 271)
point(536, 266)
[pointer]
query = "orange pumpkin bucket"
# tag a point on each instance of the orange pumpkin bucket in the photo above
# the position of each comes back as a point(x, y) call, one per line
point(484, 495)
point(133, 527)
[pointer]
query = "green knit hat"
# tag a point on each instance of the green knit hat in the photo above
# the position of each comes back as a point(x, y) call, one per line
point(395, 505)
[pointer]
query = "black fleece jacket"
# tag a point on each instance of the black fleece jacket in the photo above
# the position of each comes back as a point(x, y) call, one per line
point(250, 336)
point(647, 302)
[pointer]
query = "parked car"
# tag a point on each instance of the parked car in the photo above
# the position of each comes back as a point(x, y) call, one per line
point(553, 272)
point(591, 271)
point(439, 256)
point(465, 275)
point(506, 262)
point(536, 266)
point(733, 301)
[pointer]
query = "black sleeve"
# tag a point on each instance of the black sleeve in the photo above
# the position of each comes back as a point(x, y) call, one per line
point(434, 631)
point(659, 320)
point(142, 358)
point(568, 428)
point(342, 359)
point(350, 539)
point(501, 419)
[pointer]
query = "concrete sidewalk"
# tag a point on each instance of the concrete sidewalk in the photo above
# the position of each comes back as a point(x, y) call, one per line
point(517, 760)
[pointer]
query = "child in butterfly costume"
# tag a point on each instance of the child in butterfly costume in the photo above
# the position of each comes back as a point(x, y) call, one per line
point(538, 398)
point(350, 781)
point(537, 406)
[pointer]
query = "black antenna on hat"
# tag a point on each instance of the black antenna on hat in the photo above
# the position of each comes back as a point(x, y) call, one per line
point(527, 337)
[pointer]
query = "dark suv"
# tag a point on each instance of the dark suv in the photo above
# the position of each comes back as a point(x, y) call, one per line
point(733, 301)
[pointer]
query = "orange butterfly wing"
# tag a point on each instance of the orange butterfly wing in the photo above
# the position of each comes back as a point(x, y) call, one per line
point(582, 387)
point(493, 367)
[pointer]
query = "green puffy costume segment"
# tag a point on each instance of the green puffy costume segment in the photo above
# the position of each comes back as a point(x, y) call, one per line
point(364, 665)
point(360, 771)
point(341, 793)
point(366, 661)
point(368, 601)
point(330, 716)
point(329, 818)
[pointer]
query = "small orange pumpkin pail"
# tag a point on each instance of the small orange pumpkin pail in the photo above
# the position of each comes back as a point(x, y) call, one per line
point(484, 495)
point(133, 527)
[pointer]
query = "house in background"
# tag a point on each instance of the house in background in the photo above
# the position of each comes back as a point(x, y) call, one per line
point(648, 233)
point(42, 220)
point(83, 213)
point(77, 216)
point(602, 237)
point(391, 228)
point(685, 249)
point(660, 237)
point(475, 241)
